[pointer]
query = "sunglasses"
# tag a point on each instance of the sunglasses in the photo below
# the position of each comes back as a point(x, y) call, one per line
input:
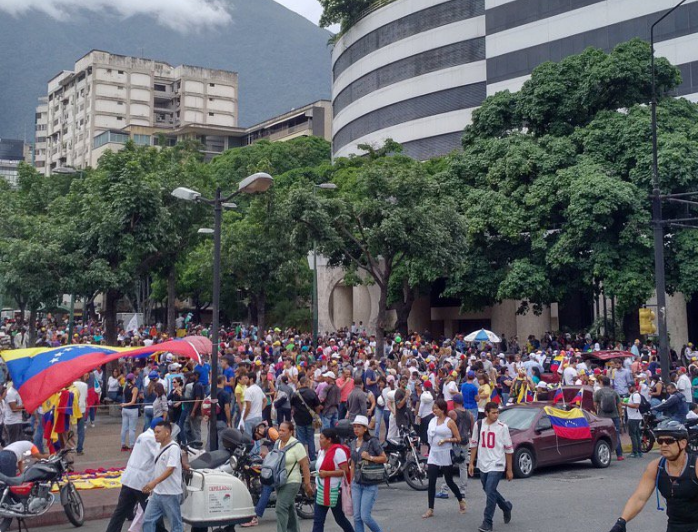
point(666, 441)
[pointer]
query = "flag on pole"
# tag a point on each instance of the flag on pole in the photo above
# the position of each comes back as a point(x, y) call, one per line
point(495, 397)
point(571, 424)
point(577, 398)
point(559, 396)
point(530, 396)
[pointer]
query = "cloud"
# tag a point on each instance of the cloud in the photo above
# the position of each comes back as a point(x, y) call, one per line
point(179, 15)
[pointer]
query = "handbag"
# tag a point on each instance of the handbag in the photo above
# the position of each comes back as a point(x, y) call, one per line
point(458, 454)
point(370, 473)
point(347, 501)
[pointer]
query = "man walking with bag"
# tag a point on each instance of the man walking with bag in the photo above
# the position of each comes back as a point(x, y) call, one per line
point(491, 449)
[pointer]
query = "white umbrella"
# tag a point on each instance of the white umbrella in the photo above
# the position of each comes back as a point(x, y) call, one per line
point(483, 335)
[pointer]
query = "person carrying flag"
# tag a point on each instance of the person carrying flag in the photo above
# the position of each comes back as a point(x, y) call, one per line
point(674, 476)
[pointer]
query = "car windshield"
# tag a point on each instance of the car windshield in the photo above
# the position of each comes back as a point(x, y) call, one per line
point(518, 418)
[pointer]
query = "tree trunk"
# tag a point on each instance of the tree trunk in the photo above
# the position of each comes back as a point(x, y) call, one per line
point(261, 311)
point(171, 296)
point(404, 307)
point(381, 321)
point(32, 326)
point(110, 332)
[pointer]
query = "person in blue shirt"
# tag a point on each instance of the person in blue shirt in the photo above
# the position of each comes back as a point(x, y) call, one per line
point(204, 371)
point(469, 390)
point(228, 372)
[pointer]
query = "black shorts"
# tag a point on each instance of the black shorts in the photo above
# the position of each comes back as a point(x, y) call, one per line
point(682, 527)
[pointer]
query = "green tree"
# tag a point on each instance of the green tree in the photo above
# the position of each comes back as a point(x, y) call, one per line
point(554, 182)
point(386, 215)
point(342, 12)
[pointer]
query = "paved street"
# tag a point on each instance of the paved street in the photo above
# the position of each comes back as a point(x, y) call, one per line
point(572, 498)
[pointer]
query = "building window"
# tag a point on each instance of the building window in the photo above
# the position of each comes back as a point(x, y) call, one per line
point(109, 71)
point(121, 71)
point(211, 84)
point(119, 118)
point(211, 114)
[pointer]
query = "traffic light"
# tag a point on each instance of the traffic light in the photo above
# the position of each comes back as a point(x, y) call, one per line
point(647, 317)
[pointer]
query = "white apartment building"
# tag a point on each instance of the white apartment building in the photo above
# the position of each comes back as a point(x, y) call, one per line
point(41, 126)
point(108, 95)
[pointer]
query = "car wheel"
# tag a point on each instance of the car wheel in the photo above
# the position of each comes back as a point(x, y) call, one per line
point(524, 462)
point(602, 454)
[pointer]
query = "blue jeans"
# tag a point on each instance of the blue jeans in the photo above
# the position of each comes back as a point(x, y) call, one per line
point(81, 434)
point(39, 437)
point(251, 423)
point(619, 446)
point(342, 410)
point(490, 481)
point(159, 505)
point(306, 435)
point(263, 500)
point(363, 498)
point(474, 412)
point(329, 421)
point(379, 421)
point(386, 420)
point(129, 418)
point(147, 418)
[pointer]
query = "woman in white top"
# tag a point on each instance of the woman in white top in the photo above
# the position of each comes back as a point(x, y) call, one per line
point(450, 388)
point(424, 409)
point(443, 433)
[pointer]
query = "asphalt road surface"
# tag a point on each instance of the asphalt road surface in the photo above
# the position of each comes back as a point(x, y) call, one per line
point(573, 498)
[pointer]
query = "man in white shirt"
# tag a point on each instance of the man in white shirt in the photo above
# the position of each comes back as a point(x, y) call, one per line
point(166, 487)
point(683, 384)
point(13, 416)
point(491, 449)
point(569, 374)
point(138, 472)
point(12, 457)
point(255, 401)
point(81, 386)
point(634, 420)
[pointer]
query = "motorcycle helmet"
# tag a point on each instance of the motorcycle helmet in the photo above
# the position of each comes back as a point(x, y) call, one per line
point(671, 428)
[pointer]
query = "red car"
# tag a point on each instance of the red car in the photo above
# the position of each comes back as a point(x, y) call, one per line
point(536, 444)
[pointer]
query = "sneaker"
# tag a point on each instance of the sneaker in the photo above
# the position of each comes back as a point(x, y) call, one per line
point(484, 528)
point(507, 513)
point(441, 495)
point(124, 449)
point(92, 424)
point(621, 458)
point(80, 453)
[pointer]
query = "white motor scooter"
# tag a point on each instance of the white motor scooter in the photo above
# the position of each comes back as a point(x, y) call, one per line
point(214, 498)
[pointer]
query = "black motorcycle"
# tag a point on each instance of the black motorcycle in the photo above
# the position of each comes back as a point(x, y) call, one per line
point(404, 459)
point(29, 495)
point(692, 426)
point(647, 426)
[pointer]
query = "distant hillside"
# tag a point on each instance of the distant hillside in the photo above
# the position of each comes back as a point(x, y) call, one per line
point(282, 58)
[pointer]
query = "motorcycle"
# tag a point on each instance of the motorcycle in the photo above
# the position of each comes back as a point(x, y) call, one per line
point(404, 459)
point(29, 495)
point(647, 426)
point(248, 469)
point(692, 426)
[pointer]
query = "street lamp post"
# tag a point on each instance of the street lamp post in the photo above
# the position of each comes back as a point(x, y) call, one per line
point(316, 332)
point(657, 222)
point(259, 182)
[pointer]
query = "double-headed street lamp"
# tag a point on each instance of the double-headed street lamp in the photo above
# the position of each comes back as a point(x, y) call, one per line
point(259, 182)
point(322, 186)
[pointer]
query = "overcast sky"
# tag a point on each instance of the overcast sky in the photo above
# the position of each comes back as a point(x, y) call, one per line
point(179, 15)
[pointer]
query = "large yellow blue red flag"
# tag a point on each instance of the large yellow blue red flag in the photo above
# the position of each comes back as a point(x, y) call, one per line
point(569, 424)
point(37, 373)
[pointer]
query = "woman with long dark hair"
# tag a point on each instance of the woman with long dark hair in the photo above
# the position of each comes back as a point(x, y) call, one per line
point(333, 462)
point(365, 453)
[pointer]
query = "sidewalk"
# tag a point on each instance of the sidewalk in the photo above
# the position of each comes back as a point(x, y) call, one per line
point(102, 450)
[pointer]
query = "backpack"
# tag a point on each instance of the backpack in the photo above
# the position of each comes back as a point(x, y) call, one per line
point(273, 472)
point(645, 405)
point(608, 403)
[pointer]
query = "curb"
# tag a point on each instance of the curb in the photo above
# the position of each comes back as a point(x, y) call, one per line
point(58, 517)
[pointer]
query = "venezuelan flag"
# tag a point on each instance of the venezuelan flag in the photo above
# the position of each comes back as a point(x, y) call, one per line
point(37, 373)
point(577, 398)
point(559, 396)
point(555, 364)
point(495, 397)
point(530, 396)
point(569, 424)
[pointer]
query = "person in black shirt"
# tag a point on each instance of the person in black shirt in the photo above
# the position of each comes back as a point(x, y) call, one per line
point(223, 416)
point(305, 403)
point(674, 476)
point(192, 425)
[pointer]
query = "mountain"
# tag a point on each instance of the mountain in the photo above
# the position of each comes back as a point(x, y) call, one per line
point(282, 59)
